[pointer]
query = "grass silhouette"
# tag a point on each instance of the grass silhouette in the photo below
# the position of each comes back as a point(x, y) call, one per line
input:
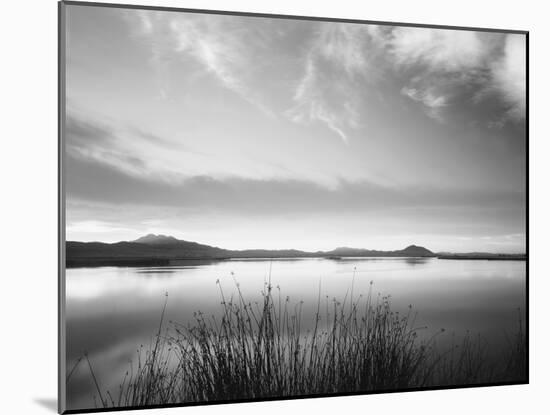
point(260, 350)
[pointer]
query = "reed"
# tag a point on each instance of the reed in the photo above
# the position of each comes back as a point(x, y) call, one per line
point(260, 350)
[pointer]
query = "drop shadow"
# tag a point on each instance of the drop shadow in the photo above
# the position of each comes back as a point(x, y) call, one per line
point(48, 403)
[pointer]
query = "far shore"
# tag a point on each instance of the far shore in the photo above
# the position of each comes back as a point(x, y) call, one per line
point(160, 262)
point(495, 257)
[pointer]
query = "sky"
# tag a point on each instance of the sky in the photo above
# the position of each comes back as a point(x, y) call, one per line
point(250, 132)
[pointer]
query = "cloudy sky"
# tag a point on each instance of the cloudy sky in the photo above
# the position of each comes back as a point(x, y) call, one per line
point(246, 132)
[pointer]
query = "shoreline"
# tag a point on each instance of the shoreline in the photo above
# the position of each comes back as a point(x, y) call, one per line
point(496, 257)
point(165, 262)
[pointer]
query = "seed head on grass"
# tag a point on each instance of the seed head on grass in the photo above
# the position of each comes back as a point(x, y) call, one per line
point(260, 349)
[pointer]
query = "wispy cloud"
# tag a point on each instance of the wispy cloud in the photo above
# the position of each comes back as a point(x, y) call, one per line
point(150, 25)
point(446, 64)
point(439, 70)
point(315, 100)
point(98, 183)
point(223, 47)
point(149, 156)
point(430, 99)
point(438, 64)
point(509, 75)
point(342, 65)
point(437, 49)
point(336, 63)
point(122, 147)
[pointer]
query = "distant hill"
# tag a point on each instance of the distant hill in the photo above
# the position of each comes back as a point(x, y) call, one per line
point(162, 250)
point(412, 250)
point(148, 247)
point(482, 255)
point(152, 239)
point(415, 250)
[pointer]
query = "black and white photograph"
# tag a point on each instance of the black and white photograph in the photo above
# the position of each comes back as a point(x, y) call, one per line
point(262, 207)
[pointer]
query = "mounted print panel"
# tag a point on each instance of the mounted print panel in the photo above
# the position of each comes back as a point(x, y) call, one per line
point(264, 207)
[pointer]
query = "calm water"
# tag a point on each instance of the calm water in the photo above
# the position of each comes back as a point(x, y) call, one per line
point(111, 311)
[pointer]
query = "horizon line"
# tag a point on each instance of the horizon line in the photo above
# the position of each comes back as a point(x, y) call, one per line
point(300, 250)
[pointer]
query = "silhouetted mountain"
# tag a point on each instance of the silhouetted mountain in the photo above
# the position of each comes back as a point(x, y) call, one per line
point(168, 245)
point(482, 255)
point(415, 250)
point(153, 239)
point(154, 249)
point(412, 250)
point(163, 250)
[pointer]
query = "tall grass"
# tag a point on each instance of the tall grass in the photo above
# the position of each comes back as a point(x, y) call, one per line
point(260, 350)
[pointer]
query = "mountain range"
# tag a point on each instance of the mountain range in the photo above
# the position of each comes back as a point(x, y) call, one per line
point(164, 250)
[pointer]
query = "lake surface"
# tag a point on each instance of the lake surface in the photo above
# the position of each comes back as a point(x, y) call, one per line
point(111, 311)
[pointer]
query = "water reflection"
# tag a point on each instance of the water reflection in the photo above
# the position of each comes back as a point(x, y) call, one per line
point(416, 261)
point(112, 311)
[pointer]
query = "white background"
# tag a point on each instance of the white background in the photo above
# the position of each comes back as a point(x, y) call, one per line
point(28, 229)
